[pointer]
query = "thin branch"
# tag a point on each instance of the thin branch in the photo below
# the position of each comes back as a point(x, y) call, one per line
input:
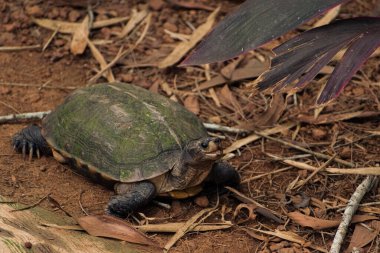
point(215, 127)
point(352, 206)
point(322, 167)
point(317, 154)
point(18, 48)
point(29, 116)
point(32, 205)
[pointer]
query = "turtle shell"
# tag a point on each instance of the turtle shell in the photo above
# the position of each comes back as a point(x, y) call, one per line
point(121, 131)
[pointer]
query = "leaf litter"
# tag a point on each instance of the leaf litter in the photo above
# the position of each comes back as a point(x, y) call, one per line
point(247, 150)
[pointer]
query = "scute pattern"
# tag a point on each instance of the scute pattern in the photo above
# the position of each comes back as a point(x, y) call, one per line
point(128, 133)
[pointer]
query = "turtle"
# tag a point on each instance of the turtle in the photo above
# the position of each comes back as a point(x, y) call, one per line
point(139, 143)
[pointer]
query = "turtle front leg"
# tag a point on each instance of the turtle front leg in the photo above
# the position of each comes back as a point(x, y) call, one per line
point(30, 141)
point(224, 174)
point(130, 197)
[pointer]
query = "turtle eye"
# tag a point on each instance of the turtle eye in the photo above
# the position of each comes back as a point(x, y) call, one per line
point(204, 144)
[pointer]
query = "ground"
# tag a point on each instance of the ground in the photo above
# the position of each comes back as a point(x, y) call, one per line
point(33, 81)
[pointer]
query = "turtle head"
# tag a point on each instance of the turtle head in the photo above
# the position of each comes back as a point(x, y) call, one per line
point(205, 149)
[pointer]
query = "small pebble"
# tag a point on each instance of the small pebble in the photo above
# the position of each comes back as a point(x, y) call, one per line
point(156, 5)
point(34, 10)
point(201, 201)
point(171, 27)
point(127, 77)
point(176, 208)
point(28, 245)
point(345, 153)
point(318, 133)
point(74, 15)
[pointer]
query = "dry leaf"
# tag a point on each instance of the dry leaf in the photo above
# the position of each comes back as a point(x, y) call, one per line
point(229, 69)
point(191, 103)
point(184, 46)
point(228, 99)
point(272, 115)
point(319, 224)
point(328, 17)
point(191, 5)
point(61, 26)
point(103, 64)
point(292, 237)
point(363, 236)
point(252, 69)
point(255, 235)
point(80, 37)
point(135, 19)
point(112, 227)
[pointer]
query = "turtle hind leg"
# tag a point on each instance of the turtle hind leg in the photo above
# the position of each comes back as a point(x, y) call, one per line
point(130, 197)
point(224, 174)
point(30, 141)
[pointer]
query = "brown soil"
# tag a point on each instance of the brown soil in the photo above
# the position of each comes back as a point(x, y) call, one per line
point(60, 71)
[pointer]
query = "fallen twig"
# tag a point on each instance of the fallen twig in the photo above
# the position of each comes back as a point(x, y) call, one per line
point(50, 39)
point(32, 205)
point(317, 154)
point(253, 137)
point(18, 48)
point(173, 227)
point(188, 226)
point(292, 237)
point(215, 127)
point(320, 168)
point(29, 116)
point(344, 171)
point(120, 54)
point(26, 85)
point(260, 208)
point(265, 174)
point(352, 206)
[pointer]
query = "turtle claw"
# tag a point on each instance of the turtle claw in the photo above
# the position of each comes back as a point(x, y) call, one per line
point(29, 141)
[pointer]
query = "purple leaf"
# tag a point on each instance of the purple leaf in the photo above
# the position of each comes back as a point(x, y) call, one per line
point(254, 23)
point(304, 56)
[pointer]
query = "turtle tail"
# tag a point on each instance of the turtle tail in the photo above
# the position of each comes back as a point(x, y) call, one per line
point(30, 141)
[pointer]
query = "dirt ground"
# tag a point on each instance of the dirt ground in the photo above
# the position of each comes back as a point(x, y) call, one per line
point(33, 81)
